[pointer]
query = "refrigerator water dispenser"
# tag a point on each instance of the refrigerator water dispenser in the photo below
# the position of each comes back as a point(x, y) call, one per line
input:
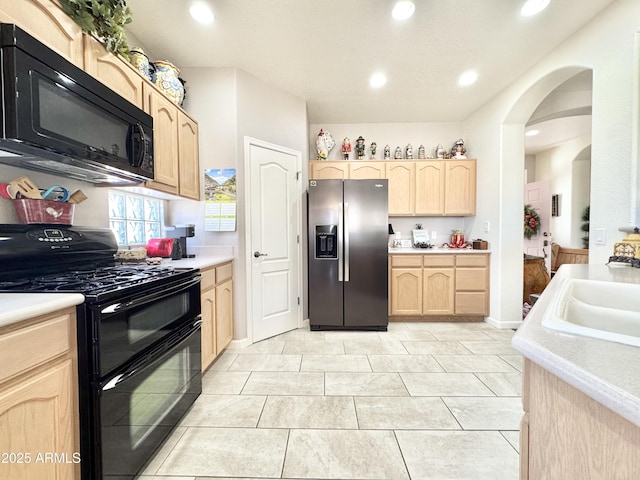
point(326, 241)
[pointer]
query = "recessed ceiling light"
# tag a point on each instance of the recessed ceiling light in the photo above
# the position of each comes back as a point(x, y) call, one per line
point(533, 7)
point(403, 10)
point(201, 12)
point(377, 80)
point(467, 78)
point(532, 133)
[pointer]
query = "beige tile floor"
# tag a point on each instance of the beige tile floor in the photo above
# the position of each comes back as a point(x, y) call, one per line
point(421, 401)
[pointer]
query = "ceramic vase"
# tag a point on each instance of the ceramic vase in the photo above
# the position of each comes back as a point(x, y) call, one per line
point(167, 79)
point(139, 59)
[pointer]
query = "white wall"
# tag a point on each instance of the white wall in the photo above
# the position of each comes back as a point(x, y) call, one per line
point(229, 104)
point(558, 166)
point(609, 46)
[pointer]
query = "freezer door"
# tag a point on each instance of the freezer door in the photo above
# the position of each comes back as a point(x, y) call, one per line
point(325, 258)
point(365, 253)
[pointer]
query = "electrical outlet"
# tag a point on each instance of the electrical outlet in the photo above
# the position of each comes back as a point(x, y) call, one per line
point(434, 234)
point(486, 227)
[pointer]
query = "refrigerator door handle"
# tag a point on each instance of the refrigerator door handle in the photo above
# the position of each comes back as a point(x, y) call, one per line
point(340, 241)
point(346, 241)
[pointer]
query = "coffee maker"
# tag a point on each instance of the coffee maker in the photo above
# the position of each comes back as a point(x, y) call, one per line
point(180, 232)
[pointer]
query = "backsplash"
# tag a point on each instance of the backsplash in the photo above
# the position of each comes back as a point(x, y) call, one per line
point(443, 226)
point(92, 212)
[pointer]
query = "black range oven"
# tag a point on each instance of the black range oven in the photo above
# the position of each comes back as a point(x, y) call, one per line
point(138, 338)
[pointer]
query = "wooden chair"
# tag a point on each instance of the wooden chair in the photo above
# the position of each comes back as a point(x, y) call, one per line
point(561, 255)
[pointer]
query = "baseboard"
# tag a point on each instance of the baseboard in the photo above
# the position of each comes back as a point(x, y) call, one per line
point(503, 325)
point(239, 344)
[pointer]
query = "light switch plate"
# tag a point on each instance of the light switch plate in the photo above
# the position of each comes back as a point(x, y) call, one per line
point(600, 235)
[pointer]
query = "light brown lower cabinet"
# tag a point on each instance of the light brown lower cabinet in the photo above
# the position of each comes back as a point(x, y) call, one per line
point(567, 435)
point(217, 311)
point(38, 399)
point(439, 285)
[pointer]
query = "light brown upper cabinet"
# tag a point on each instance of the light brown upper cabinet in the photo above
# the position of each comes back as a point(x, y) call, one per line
point(323, 170)
point(401, 176)
point(114, 72)
point(45, 20)
point(165, 140)
point(366, 170)
point(416, 188)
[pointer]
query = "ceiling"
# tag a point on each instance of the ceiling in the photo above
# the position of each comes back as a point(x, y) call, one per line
point(325, 51)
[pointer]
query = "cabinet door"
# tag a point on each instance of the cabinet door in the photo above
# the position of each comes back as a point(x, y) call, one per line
point(406, 291)
point(113, 71)
point(430, 188)
point(45, 20)
point(460, 191)
point(208, 303)
point(438, 291)
point(37, 415)
point(165, 140)
point(401, 177)
point(327, 170)
point(188, 165)
point(224, 315)
point(366, 170)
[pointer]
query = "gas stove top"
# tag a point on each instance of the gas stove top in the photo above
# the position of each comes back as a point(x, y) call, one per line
point(99, 282)
point(48, 258)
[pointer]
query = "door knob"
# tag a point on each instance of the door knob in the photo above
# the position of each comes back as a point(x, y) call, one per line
point(258, 254)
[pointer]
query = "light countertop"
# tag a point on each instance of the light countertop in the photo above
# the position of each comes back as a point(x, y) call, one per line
point(199, 261)
point(435, 250)
point(605, 371)
point(15, 307)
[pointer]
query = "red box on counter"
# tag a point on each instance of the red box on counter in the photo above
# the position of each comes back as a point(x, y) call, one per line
point(44, 211)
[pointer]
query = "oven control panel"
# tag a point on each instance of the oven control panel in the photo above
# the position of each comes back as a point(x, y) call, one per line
point(53, 235)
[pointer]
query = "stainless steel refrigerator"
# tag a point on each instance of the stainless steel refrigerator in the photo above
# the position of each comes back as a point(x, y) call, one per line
point(348, 240)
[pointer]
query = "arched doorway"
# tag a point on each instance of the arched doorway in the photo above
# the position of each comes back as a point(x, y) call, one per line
point(512, 156)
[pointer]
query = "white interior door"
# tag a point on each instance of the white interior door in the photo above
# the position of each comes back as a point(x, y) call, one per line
point(275, 232)
point(538, 195)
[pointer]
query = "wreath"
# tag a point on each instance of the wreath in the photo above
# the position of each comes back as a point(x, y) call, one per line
point(531, 222)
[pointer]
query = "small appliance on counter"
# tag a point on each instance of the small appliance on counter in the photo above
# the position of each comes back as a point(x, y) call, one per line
point(181, 232)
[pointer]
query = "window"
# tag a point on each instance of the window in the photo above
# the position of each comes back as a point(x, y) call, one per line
point(134, 219)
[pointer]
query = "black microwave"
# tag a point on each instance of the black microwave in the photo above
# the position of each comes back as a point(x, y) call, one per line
point(58, 119)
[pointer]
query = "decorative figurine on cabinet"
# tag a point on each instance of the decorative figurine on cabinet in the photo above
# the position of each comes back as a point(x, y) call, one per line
point(387, 152)
point(373, 149)
point(346, 148)
point(458, 150)
point(324, 143)
point(422, 154)
point(439, 151)
point(409, 152)
point(360, 148)
point(398, 154)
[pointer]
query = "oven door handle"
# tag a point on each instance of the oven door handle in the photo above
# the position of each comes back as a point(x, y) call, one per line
point(118, 307)
point(150, 359)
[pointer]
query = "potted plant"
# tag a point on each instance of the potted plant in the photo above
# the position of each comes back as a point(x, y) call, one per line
point(585, 226)
point(105, 19)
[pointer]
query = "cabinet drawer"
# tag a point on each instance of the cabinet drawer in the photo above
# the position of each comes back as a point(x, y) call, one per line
point(471, 279)
point(30, 346)
point(437, 260)
point(208, 279)
point(471, 260)
point(406, 260)
point(471, 303)
point(224, 272)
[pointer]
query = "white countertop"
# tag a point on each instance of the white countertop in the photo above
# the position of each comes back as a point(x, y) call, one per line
point(15, 307)
point(435, 250)
point(605, 371)
point(199, 261)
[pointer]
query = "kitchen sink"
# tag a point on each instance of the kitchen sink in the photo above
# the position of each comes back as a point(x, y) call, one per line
point(604, 310)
